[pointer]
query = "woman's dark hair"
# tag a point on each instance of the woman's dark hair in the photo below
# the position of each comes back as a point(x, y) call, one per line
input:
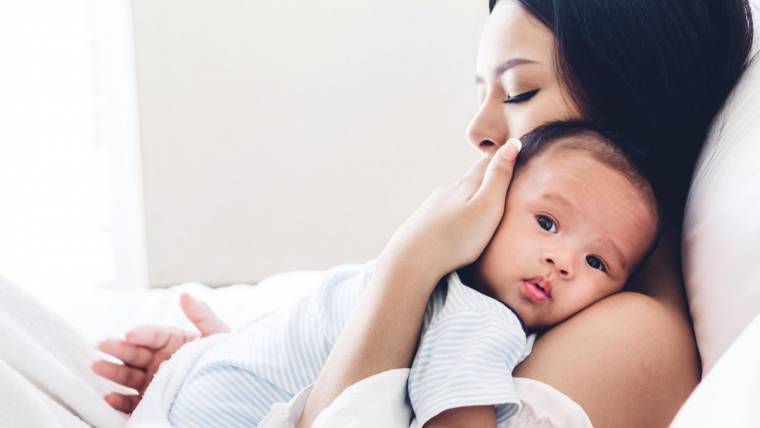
point(656, 72)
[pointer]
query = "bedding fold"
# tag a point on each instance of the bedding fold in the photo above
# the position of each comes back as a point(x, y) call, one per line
point(45, 368)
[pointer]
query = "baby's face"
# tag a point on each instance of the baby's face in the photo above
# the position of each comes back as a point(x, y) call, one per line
point(572, 232)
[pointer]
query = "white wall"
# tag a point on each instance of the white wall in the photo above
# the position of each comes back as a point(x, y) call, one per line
point(294, 134)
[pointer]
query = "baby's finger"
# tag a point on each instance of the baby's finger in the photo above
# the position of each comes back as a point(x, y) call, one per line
point(123, 375)
point(201, 315)
point(156, 338)
point(474, 176)
point(130, 354)
point(498, 175)
point(123, 403)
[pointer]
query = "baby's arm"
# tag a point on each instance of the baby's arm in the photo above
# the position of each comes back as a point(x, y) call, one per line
point(464, 417)
point(462, 369)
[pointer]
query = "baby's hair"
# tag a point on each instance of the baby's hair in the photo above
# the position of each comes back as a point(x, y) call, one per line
point(604, 146)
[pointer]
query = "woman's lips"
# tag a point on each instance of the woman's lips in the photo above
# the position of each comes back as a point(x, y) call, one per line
point(534, 292)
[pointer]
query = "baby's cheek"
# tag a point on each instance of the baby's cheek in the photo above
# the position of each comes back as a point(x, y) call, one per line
point(584, 298)
point(604, 290)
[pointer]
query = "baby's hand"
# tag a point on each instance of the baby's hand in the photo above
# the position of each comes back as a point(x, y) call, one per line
point(453, 226)
point(146, 347)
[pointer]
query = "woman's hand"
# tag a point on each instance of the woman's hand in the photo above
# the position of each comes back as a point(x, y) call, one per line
point(453, 226)
point(449, 230)
point(146, 347)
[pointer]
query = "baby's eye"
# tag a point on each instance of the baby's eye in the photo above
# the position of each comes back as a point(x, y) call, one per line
point(596, 263)
point(546, 223)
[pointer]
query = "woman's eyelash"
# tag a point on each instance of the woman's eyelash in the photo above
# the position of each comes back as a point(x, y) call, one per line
point(525, 96)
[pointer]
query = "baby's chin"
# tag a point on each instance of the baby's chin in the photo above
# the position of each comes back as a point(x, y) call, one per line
point(533, 324)
point(469, 276)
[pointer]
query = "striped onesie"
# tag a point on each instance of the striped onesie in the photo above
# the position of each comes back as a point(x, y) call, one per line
point(470, 344)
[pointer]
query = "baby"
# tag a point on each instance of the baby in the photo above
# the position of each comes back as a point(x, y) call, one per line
point(579, 220)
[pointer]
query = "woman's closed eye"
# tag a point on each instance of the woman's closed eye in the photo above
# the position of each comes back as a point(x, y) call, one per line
point(547, 223)
point(596, 263)
point(525, 96)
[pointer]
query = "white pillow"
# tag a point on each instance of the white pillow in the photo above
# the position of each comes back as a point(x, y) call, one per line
point(721, 242)
point(728, 396)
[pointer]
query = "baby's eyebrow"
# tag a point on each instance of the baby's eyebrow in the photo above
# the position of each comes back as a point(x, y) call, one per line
point(555, 197)
point(609, 245)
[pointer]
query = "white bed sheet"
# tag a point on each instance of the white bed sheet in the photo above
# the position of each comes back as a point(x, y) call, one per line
point(110, 313)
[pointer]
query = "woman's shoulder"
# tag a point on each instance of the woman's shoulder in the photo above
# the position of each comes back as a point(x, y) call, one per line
point(628, 360)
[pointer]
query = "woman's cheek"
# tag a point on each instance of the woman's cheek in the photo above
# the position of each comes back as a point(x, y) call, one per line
point(519, 122)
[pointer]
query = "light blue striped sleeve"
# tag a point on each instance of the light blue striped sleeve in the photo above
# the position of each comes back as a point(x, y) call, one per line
point(466, 357)
point(269, 360)
point(224, 396)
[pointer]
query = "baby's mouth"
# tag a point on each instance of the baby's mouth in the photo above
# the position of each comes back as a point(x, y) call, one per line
point(537, 289)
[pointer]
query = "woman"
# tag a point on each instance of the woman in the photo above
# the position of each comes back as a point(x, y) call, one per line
point(655, 72)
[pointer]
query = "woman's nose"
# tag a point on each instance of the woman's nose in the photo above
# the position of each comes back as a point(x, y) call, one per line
point(487, 130)
point(561, 263)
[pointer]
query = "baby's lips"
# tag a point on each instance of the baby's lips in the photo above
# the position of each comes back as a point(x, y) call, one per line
point(542, 283)
point(533, 292)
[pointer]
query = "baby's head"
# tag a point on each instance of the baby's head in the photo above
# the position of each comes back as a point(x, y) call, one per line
point(579, 220)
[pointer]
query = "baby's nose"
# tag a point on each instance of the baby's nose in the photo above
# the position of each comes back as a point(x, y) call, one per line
point(559, 264)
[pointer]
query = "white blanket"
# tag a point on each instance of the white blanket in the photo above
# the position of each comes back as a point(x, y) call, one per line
point(45, 377)
point(46, 381)
point(44, 369)
point(153, 410)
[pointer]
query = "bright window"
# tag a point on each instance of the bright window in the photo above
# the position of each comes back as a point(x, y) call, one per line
point(57, 190)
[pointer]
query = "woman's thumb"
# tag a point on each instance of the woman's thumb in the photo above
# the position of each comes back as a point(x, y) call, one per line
point(500, 168)
point(201, 315)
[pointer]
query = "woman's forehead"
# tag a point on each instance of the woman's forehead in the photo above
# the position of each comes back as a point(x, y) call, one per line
point(511, 32)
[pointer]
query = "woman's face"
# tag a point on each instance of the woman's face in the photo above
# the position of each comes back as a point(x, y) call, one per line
point(517, 82)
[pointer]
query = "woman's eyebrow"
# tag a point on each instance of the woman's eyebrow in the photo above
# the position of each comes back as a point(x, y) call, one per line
point(506, 65)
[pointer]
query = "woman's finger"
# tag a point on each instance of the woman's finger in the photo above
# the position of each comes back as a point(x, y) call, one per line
point(474, 176)
point(201, 315)
point(121, 374)
point(123, 403)
point(128, 353)
point(498, 175)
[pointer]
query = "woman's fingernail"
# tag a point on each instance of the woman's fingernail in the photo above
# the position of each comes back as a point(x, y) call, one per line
point(510, 150)
point(515, 142)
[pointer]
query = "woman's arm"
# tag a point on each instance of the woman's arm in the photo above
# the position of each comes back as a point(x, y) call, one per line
point(465, 417)
point(448, 231)
point(381, 334)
